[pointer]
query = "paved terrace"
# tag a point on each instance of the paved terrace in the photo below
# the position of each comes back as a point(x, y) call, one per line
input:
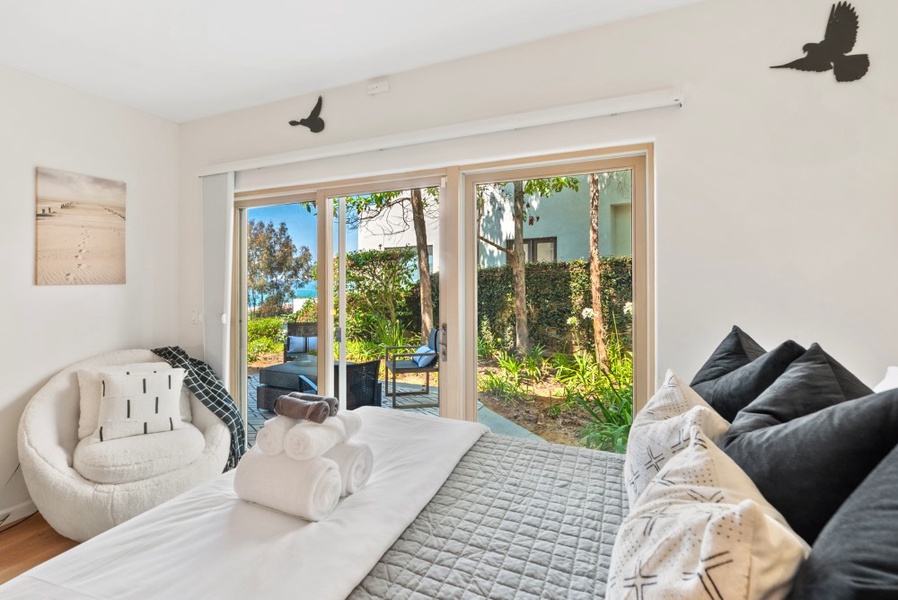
point(497, 423)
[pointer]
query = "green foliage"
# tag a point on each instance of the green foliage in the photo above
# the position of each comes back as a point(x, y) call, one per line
point(307, 314)
point(264, 335)
point(501, 384)
point(389, 333)
point(555, 292)
point(363, 351)
point(266, 327)
point(605, 393)
point(377, 282)
point(276, 267)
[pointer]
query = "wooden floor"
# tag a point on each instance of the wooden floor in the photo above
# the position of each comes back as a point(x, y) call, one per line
point(28, 543)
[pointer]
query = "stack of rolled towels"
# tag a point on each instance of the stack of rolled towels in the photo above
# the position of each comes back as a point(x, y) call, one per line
point(304, 460)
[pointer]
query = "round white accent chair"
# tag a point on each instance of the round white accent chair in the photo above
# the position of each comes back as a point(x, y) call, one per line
point(79, 508)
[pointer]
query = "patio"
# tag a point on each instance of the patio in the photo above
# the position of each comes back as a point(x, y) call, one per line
point(256, 418)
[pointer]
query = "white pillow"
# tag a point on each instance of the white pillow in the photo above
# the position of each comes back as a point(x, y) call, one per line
point(89, 385)
point(661, 429)
point(139, 403)
point(702, 529)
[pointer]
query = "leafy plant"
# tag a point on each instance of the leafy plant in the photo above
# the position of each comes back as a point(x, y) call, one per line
point(604, 392)
point(534, 362)
point(501, 385)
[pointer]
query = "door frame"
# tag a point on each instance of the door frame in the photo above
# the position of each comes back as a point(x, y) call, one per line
point(458, 256)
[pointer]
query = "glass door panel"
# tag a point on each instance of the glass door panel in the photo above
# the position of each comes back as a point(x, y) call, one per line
point(386, 298)
point(554, 307)
point(281, 320)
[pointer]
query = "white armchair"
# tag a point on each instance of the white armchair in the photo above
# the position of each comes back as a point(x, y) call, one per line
point(77, 507)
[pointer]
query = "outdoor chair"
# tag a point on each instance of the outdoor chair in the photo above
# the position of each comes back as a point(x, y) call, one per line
point(362, 384)
point(302, 338)
point(401, 360)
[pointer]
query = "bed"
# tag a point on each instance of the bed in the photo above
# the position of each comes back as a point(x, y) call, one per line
point(451, 511)
point(771, 475)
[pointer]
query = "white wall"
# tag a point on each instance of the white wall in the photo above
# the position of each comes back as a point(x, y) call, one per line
point(775, 190)
point(46, 328)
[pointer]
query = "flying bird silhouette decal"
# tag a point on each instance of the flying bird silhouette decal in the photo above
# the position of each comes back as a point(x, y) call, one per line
point(832, 52)
point(314, 121)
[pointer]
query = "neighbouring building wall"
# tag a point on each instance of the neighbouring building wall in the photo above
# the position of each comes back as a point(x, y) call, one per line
point(46, 328)
point(775, 190)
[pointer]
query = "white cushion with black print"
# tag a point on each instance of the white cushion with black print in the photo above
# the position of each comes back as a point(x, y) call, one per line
point(660, 430)
point(139, 403)
point(703, 530)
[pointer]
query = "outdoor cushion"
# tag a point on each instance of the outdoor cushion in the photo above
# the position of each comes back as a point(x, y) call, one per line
point(808, 466)
point(137, 458)
point(296, 344)
point(727, 386)
point(856, 554)
point(427, 356)
point(812, 382)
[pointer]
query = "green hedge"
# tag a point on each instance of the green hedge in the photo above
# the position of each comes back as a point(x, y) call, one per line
point(556, 292)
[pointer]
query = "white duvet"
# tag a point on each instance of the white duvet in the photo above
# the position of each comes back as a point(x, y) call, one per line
point(207, 543)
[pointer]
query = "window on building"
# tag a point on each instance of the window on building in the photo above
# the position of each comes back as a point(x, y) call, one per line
point(543, 249)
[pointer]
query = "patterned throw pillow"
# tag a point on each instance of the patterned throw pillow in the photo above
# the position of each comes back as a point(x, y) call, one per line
point(661, 429)
point(703, 530)
point(139, 403)
point(90, 393)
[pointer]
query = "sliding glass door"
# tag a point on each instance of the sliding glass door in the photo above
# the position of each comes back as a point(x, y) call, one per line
point(555, 299)
point(385, 268)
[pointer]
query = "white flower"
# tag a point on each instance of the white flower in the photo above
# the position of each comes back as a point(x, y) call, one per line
point(588, 313)
point(628, 308)
point(572, 321)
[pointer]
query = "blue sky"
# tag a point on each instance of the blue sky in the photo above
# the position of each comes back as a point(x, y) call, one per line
point(300, 223)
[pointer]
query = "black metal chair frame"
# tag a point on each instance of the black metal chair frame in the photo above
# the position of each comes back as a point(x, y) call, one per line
point(408, 353)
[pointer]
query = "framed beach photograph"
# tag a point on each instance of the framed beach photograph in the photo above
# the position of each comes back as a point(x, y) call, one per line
point(80, 229)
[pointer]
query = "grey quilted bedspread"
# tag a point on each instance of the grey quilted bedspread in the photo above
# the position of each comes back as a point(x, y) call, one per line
point(515, 519)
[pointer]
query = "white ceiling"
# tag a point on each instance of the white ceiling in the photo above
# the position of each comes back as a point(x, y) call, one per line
point(188, 59)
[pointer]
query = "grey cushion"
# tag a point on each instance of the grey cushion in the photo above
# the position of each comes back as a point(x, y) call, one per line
point(808, 466)
point(856, 554)
point(728, 391)
point(736, 350)
point(812, 382)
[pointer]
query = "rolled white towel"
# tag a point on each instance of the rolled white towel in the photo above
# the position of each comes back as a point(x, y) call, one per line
point(352, 423)
point(270, 438)
point(355, 461)
point(307, 440)
point(308, 489)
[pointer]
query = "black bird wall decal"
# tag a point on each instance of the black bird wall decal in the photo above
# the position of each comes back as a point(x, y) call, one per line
point(832, 52)
point(314, 121)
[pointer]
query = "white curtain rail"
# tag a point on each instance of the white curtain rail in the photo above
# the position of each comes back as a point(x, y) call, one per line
point(672, 97)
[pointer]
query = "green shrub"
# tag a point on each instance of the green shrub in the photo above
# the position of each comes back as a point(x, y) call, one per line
point(267, 327)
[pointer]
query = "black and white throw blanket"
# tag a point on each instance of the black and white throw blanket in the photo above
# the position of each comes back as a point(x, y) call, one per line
point(202, 381)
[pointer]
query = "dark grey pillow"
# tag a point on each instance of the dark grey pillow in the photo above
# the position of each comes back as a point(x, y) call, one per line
point(813, 381)
point(729, 392)
point(807, 467)
point(736, 350)
point(856, 554)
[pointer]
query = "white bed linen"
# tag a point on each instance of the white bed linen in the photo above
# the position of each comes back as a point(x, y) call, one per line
point(207, 543)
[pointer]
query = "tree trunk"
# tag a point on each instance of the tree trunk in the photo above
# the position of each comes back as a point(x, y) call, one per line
point(423, 264)
point(595, 269)
point(518, 260)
